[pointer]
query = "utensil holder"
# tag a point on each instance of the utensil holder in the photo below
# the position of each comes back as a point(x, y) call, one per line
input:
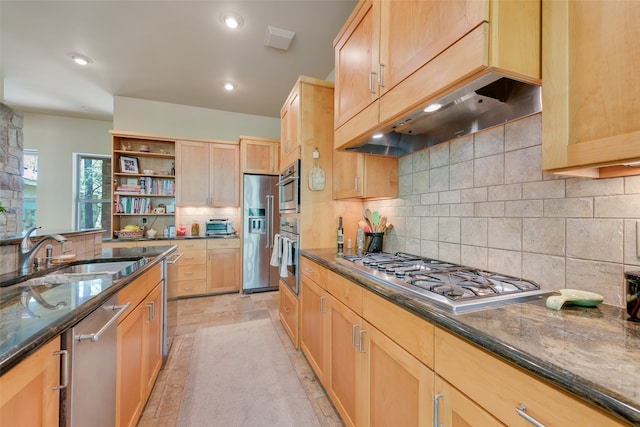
point(632, 287)
point(373, 242)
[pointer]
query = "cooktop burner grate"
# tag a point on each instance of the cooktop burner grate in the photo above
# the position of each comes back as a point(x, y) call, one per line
point(452, 285)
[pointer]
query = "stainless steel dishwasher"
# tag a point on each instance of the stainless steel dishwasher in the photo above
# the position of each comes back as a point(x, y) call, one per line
point(90, 397)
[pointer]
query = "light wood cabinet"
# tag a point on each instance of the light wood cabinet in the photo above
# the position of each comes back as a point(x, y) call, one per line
point(394, 57)
point(289, 313)
point(289, 129)
point(223, 265)
point(591, 56)
point(457, 362)
point(191, 268)
point(28, 393)
point(139, 354)
point(259, 155)
point(136, 193)
point(207, 174)
point(364, 176)
point(314, 326)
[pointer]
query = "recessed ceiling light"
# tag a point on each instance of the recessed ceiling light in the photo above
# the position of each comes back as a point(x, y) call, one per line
point(229, 86)
point(81, 59)
point(231, 20)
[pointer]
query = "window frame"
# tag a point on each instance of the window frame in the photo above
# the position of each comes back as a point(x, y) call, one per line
point(77, 201)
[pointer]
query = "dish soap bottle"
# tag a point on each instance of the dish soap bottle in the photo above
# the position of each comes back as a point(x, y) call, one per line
point(340, 238)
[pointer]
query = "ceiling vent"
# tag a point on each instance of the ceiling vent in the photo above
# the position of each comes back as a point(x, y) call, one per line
point(278, 38)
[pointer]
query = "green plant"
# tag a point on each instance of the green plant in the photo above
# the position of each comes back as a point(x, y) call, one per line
point(2, 209)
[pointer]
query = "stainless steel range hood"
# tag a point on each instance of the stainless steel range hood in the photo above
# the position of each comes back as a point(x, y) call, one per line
point(484, 103)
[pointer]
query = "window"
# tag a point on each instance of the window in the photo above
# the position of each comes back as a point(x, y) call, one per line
point(93, 192)
point(30, 180)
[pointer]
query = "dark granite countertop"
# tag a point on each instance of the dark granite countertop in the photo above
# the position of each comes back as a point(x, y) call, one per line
point(592, 353)
point(160, 238)
point(23, 330)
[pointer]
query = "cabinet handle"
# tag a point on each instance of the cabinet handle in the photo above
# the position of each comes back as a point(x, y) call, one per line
point(65, 369)
point(360, 348)
point(286, 309)
point(371, 73)
point(353, 335)
point(175, 258)
point(355, 183)
point(521, 411)
point(308, 270)
point(322, 304)
point(380, 67)
point(188, 273)
point(188, 289)
point(435, 409)
point(152, 310)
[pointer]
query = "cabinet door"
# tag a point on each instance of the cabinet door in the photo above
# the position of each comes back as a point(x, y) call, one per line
point(192, 173)
point(348, 169)
point(130, 385)
point(365, 176)
point(27, 394)
point(290, 138)
point(314, 303)
point(412, 32)
point(398, 389)
point(288, 313)
point(457, 410)
point(153, 337)
point(345, 360)
point(356, 59)
point(589, 119)
point(224, 175)
point(259, 156)
point(223, 270)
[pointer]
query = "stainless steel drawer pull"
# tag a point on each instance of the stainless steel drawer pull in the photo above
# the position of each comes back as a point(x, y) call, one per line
point(521, 411)
point(96, 336)
point(360, 348)
point(435, 409)
point(353, 335)
point(380, 67)
point(175, 258)
point(65, 369)
point(152, 310)
point(321, 304)
point(371, 73)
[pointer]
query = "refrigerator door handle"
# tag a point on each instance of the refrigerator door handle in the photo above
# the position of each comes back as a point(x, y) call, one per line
point(269, 220)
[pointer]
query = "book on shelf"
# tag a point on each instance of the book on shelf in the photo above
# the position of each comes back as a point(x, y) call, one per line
point(132, 205)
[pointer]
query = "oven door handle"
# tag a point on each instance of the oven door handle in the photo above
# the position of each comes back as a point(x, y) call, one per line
point(287, 180)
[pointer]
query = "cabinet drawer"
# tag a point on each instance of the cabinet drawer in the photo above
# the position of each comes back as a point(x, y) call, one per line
point(190, 245)
point(223, 243)
point(457, 361)
point(408, 330)
point(193, 257)
point(314, 272)
point(191, 272)
point(138, 290)
point(345, 291)
point(191, 287)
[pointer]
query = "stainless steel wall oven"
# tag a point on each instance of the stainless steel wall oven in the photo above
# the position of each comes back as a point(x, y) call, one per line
point(289, 188)
point(289, 230)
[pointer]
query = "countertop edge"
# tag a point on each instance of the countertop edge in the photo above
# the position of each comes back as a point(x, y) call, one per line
point(600, 397)
point(59, 327)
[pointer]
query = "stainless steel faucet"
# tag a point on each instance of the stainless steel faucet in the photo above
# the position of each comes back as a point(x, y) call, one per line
point(28, 250)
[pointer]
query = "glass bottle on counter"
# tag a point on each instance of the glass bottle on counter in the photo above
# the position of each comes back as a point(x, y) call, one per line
point(340, 238)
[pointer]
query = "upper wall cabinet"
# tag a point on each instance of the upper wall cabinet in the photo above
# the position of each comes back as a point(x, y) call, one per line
point(394, 56)
point(259, 155)
point(290, 129)
point(591, 58)
point(207, 174)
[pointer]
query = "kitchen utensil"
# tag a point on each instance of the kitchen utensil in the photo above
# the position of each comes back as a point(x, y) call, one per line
point(632, 285)
point(375, 218)
point(373, 242)
point(368, 217)
point(383, 223)
point(574, 297)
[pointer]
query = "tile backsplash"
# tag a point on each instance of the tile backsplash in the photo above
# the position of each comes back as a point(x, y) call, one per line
point(483, 201)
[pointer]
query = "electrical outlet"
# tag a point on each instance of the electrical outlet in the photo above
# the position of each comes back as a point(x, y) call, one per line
point(144, 220)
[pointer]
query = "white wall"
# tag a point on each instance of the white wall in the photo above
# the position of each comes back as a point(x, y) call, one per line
point(56, 139)
point(182, 121)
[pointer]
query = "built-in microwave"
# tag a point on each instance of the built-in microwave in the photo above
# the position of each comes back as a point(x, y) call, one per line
point(289, 188)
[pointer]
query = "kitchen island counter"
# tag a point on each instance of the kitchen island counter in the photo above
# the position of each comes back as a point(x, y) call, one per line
point(592, 353)
point(23, 331)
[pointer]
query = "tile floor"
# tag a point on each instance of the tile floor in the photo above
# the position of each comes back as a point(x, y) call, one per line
point(193, 313)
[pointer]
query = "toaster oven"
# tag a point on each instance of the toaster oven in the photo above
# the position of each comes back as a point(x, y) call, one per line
point(219, 227)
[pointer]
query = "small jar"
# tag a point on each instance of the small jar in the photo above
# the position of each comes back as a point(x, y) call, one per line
point(195, 229)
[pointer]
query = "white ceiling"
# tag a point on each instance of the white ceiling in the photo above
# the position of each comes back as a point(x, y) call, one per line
point(174, 51)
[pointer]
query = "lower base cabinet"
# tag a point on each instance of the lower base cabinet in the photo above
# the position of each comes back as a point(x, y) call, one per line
point(139, 345)
point(457, 410)
point(28, 393)
point(223, 265)
point(288, 313)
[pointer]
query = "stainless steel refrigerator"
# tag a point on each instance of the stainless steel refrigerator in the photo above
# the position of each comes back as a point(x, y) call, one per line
point(260, 220)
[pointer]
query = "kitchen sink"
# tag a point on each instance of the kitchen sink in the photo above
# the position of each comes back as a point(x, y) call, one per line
point(111, 268)
point(95, 269)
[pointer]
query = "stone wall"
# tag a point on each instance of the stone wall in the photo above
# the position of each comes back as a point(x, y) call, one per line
point(11, 164)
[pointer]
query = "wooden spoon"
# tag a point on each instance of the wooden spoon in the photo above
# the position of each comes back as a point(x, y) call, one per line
point(368, 217)
point(383, 223)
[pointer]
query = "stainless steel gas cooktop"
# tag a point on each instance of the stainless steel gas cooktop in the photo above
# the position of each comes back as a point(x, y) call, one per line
point(456, 287)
